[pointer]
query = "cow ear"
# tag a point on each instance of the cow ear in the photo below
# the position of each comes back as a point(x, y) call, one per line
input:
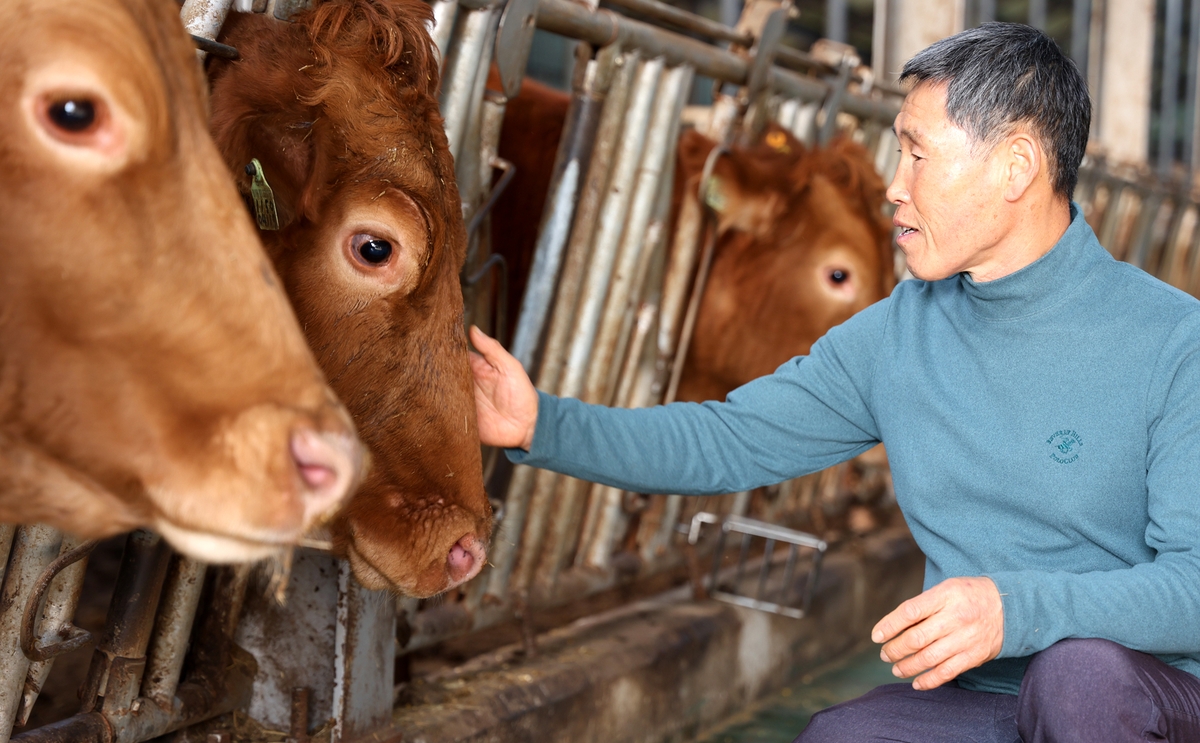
point(745, 190)
point(740, 207)
point(261, 117)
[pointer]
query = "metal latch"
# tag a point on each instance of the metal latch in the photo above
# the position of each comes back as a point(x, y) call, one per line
point(771, 592)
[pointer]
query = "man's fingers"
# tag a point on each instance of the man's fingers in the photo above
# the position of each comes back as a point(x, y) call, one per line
point(930, 646)
point(902, 617)
point(947, 670)
point(487, 345)
point(919, 638)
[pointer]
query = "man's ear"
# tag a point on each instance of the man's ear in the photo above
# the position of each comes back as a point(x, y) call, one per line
point(1023, 162)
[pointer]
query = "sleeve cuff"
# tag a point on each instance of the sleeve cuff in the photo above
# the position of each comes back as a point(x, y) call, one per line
point(544, 434)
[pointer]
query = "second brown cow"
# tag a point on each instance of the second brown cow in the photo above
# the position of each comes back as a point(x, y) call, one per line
point(802, 243)
point(340, 109)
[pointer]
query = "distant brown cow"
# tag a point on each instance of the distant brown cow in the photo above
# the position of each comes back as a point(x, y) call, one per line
point(802, 246)
point(802, 243)
point(340, 108)
point(151, 370)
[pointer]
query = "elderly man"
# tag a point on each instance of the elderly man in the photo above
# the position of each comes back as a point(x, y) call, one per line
point(1040, 403)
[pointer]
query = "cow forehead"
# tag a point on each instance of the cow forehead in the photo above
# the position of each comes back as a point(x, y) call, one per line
point(384, 134)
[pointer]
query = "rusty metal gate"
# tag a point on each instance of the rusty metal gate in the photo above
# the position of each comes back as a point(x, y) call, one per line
point(606, 318)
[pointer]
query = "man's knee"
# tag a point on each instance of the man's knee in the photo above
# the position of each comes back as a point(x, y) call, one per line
point(829, 725)
point(1079, 666)
point(860, 719)
point(1074, 684)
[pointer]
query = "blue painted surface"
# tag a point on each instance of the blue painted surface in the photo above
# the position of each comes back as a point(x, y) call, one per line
point(780, 718)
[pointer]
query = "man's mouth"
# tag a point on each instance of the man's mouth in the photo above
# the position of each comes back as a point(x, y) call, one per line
point(906, 231)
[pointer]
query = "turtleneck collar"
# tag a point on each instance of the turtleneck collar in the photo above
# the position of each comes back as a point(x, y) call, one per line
point(1041, 284)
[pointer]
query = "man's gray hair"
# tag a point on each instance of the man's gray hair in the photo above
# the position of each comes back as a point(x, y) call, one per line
point(1000, 75)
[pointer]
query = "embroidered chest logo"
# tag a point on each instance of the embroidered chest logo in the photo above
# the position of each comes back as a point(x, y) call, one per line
point(1064, 446)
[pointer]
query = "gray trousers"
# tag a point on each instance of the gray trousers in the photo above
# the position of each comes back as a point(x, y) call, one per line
point(1076, 691)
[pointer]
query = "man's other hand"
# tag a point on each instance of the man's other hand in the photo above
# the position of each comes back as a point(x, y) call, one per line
point(505, 401)
point(953, 627)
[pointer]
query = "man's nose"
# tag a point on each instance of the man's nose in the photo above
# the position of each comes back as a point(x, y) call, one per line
point(897, 190)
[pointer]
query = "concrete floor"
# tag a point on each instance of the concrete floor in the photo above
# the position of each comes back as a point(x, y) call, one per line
point(780, 717)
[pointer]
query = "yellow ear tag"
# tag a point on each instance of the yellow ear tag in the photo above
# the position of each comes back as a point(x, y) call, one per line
point(262, 196)
point(713, 196)
point(778, 140)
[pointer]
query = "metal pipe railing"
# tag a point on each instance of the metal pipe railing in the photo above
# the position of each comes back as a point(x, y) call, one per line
point(686, 21)
point(33, 548)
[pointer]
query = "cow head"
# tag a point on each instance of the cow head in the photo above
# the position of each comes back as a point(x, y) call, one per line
point(340, 108)
point(802, 245)
point(152, 372)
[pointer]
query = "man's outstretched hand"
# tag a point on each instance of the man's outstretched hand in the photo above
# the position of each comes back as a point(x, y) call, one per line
point(505, 401)
point(953, 627)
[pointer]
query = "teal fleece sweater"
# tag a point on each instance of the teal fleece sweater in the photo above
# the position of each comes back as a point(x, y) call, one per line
point(1043, 430)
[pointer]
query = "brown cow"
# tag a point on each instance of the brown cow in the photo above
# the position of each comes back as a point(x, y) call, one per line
point(340, 108)
point(151, 370)
point(802, 243)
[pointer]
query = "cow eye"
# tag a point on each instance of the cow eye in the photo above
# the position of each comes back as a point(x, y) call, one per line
point(838, 276)
point(72, 115)
point(372, 250)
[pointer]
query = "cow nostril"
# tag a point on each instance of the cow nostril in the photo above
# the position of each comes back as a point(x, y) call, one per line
point(328, 465)
point(317, 476)
point(466, 559)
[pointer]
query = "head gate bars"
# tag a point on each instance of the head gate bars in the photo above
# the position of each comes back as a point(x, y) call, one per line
point(607, 317)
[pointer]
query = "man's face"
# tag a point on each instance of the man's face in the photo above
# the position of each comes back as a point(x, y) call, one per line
point(949, 197)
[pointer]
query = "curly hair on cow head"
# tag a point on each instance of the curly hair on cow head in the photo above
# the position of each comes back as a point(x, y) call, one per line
point(391, 35)
point(847, 165)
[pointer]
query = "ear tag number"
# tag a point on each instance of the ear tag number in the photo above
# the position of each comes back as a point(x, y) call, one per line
point(263, 197)
point(713, 195)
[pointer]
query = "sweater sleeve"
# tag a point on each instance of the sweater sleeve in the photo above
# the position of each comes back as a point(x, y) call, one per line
point(813, 412)
point(1154, 606)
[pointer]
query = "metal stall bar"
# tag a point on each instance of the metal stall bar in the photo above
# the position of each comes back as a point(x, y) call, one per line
point(119, 660)
point(686, 21)
point(1189, 114)
point(594, 289)
point(34, 547)
point(520, 491)
point(7, 532)
point(472, 49)
point(600, 28)
point(54, 600)
point(1192, 280)
point(1139, 251)
point(204, 18)
point(1167, 261)
point(173, 628)
point(1170, 87)
point(570, 168)
point(752, 528)
point(618, 310)
point(445, 12)
point(215, 685)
